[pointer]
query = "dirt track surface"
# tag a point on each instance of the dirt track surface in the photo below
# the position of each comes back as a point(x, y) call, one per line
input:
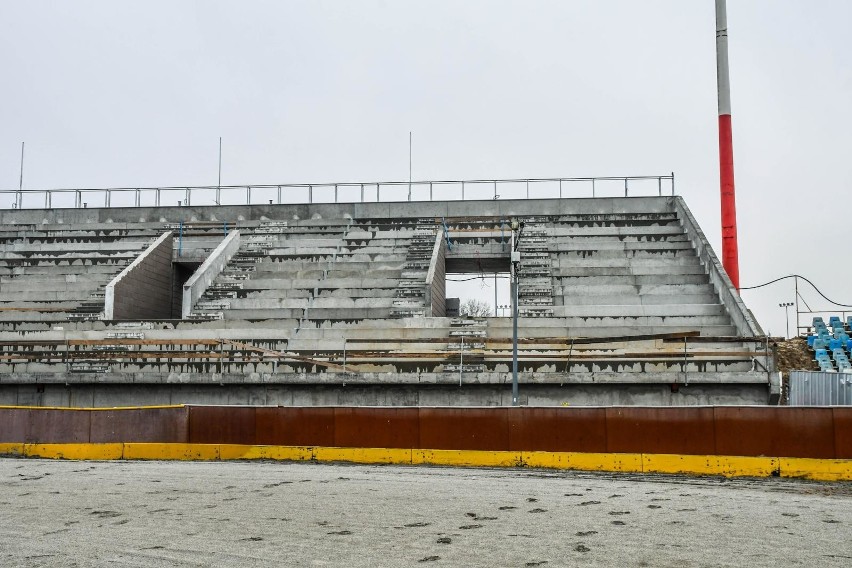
point(55, 513)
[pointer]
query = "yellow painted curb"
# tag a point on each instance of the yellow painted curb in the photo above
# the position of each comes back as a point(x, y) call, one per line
point(467, 458)
point(139, 451)
point(363, 455)
point(627, 463)
point(74, 451)
point(729, 466)
point(823, 470)
point(279, 453)
point(11, 449)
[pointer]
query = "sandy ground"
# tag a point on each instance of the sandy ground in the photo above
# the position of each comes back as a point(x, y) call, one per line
point(55, 513)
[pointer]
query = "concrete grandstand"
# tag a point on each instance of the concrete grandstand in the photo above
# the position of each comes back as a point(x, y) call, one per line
point(621, 301)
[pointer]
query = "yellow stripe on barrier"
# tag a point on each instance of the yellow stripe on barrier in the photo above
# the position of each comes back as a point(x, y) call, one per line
point(729, 466)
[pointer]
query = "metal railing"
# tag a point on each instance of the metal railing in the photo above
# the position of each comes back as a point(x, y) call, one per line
point(346, 192)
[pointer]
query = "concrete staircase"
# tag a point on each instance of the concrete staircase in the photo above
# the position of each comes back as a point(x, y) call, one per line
point(57, 273)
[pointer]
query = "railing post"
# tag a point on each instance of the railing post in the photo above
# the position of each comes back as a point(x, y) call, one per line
point(462, 191)
point(495, 195)
point(625, 187)
point(138, 197)
point(188, 199)
point(673, 189)
point(279, 195)
point(378, 193)
point(157, 195)
point(362, 193)
point(430, 191)
point(310, 194)
point(335, 193)
point(593, 187)
point(660, 186)
point(560, 188)
point(528, 189)
point(248, 195)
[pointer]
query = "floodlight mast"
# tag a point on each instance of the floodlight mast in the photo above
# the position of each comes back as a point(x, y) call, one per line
point(730, 253)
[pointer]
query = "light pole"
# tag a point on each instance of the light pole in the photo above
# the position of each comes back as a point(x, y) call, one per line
point(786, 306)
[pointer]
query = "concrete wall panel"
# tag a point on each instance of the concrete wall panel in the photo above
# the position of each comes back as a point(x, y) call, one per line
point(143, 290)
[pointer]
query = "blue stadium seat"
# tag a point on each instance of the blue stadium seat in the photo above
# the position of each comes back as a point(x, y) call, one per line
point(820, 343)
point(838, 353)
point(820, 353)
point(818, 320)
point(844, 366)
point(825, 365)
point(811, 339)
point(841, 335)
point(834, 320)
point(849, 346)
point(834, 344)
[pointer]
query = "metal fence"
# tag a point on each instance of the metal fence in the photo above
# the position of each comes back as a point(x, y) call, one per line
point(346, 192)
point(820, 389)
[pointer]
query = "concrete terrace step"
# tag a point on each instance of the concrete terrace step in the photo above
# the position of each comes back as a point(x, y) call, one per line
point(569, 282)
point(634, 311)
point(607, 289)
point(636, 300)
point(567, 246)
point(615, 231)
point(263, 283)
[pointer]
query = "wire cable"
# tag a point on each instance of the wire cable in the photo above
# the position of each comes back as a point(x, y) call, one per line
point(472, 278)
point(824, 297)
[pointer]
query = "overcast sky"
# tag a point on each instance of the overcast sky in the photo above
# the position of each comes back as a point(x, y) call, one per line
point(136, 94)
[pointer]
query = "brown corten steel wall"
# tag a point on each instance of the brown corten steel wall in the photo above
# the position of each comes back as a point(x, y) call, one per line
point(61, 426)
point(816, 432)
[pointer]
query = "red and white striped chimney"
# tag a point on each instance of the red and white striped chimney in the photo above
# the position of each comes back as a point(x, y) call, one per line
point(730, 254)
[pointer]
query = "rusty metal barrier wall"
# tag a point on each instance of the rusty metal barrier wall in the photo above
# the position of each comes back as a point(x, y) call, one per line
point(805, 432)
point(65, 425)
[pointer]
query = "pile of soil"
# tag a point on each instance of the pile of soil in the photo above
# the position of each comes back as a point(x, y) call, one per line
point(792, 355)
